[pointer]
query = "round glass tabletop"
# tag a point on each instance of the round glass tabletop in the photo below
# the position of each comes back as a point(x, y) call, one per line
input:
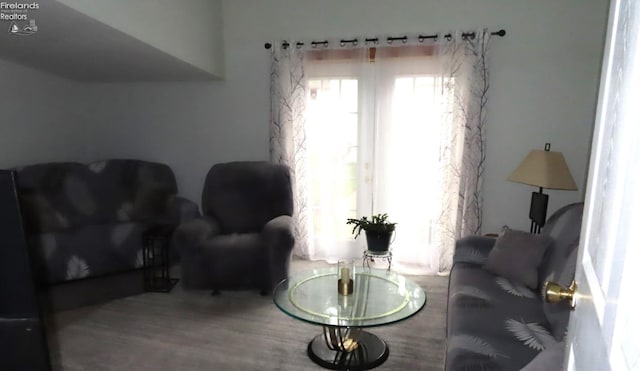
point(379, 297)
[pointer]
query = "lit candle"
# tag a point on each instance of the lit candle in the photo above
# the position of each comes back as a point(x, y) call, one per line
point(344, 274)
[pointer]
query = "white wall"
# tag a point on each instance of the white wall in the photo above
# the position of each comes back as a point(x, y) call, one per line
point(190, 30)
point(41, 119)
point(544, 85)
point(179, 124)
point(544, 73)
point(545, 76)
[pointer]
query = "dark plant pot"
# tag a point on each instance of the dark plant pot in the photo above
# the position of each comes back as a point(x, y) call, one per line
point(378, 241)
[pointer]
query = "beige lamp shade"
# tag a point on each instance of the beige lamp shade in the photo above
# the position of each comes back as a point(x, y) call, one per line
point(546, 169)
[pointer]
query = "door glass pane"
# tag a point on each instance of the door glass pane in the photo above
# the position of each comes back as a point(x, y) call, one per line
point(332, 149)
point(408, 177)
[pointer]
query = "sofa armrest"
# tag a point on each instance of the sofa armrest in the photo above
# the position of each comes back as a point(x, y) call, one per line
point(190, 234)
point(278, 236)
point(473, 249)
point(180, 210)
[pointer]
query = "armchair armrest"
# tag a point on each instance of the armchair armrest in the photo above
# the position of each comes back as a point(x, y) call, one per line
point(473, 249)
point(190, 234)
point(180, 210)
point(278, 236)
point(279, 232)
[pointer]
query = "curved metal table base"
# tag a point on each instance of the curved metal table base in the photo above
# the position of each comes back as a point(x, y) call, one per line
point(370, 352)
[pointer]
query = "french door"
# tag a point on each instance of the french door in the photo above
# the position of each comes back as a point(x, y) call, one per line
point(373, 139)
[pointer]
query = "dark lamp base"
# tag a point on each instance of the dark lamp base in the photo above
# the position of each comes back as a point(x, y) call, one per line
point(538, 210)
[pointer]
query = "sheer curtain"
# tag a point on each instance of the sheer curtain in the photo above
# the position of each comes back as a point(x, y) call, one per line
point(378, 127)
point(287, 140)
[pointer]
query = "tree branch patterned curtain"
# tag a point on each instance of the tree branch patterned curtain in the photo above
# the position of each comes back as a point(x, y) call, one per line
point(287, 131)
point(464, 149)
point(462, 79)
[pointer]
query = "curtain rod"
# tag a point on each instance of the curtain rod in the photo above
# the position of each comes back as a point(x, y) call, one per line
point(390, 40)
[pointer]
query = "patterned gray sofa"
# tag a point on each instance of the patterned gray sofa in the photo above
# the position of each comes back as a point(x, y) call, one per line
point(87, 220)
point(494, 323)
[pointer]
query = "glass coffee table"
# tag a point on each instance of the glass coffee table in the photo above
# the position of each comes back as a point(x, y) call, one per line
point(379, 297)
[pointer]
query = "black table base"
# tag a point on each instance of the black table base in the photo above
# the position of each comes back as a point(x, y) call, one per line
point(370, 353)
point(155, 255)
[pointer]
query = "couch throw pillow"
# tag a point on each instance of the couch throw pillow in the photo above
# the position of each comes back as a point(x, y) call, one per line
point(517, 255)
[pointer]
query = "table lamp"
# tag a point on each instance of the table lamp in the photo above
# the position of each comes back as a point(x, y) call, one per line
point(544, 169)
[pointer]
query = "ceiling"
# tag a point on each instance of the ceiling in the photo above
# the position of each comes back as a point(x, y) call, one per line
point(73, 45)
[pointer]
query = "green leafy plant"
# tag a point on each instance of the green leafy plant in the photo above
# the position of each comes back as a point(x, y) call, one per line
point(378, 224)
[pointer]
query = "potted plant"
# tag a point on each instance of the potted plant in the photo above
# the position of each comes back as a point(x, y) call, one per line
point(378, 231)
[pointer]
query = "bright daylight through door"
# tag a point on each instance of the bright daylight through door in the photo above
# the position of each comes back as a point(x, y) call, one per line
point(373, 147)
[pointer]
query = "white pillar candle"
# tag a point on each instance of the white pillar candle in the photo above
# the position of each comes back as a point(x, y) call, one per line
point(344, 274)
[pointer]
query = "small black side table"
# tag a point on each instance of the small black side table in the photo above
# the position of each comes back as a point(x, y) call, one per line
point(155, 258)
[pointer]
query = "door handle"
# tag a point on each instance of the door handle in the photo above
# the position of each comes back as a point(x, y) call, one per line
point(554, 293)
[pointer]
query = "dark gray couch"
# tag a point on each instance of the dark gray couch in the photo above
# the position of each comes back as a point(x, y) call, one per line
point(87, 220)
point(497, 324)
point(245, 238)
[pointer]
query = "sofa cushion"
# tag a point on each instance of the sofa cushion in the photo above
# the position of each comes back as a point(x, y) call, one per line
point(58, 196)
point(550, 359)
point(473, 249)
point(39, 215)
point(131, 190)
point(517, 255)
point(228, 261)
point(47, 200)
point(493, 323)
point(87, 252)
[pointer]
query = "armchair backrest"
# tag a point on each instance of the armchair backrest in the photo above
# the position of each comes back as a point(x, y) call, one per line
point(244, 195)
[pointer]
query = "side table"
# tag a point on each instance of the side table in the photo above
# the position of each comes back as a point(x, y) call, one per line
point(155, 258)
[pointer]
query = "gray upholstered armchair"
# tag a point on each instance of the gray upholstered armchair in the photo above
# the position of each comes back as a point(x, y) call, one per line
point(245, 237)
